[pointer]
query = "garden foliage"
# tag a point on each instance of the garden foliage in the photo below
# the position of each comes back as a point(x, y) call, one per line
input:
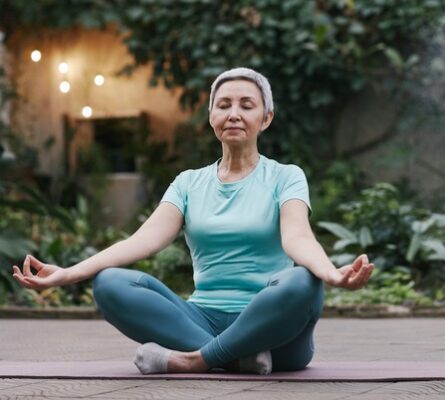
point(316, 53)
point(393, 232)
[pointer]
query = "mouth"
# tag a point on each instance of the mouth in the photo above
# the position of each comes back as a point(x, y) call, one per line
point(231, 128)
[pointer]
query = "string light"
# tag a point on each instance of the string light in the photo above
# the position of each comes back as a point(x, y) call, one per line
point(63, 67)
point(99, 80)
point(87, 112)
point(64, 86)
point(36, 55)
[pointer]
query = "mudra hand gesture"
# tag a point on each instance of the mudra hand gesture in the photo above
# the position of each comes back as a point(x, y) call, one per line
point(47, 275)
point(352, 276)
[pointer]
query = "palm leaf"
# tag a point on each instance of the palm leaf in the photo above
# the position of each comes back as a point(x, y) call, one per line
point(338, 230)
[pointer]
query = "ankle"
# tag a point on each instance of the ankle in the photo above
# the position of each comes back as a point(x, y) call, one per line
point(186, 362)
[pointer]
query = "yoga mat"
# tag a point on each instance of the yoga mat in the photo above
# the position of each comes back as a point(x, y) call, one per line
point(339, 371)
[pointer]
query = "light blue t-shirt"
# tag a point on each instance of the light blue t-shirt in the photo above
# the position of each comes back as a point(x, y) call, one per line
point(233, 229)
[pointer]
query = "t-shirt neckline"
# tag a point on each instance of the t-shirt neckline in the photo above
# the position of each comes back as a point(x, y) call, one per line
point(236, 184)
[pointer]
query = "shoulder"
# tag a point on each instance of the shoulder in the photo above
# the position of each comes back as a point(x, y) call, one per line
point(192, 178)
point(279, 173)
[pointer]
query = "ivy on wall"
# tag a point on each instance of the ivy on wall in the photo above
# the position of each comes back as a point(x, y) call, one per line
point(315, 52)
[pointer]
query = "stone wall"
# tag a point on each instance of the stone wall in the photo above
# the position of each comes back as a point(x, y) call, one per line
point(394, 143)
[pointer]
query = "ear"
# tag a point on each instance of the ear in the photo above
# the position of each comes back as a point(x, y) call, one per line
point(210, 119)
point(267, 120)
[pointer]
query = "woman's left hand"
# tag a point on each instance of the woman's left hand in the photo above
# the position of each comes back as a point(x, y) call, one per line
point(353, 276)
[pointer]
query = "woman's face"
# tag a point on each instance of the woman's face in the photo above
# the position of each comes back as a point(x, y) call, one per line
point(237, 115)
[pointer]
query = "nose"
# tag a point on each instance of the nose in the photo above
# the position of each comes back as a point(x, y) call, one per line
point(234, 114)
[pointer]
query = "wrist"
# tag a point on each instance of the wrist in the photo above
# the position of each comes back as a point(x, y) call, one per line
point(330, 276)
point(72, 275)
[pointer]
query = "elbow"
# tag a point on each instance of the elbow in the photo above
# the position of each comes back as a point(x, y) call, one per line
point(287, 243)
point(292, 244)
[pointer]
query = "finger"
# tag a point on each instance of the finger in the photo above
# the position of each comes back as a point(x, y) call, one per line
point(27, 266)
point(33, 283)
point(38, 265)
point(22, 280)
point(355, 280)
point(16, 270)
point(346, 276)
point(357, 264)
point(364, 275)
point(359, 275)
point(17, 275)
point(369, 271)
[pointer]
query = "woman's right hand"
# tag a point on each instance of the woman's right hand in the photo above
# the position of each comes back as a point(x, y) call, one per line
point(47, 275)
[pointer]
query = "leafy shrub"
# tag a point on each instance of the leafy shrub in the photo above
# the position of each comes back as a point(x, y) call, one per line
point(333, 188)
point(392, 232)
point(53, 239)
point(315, 53)
point(395, 287)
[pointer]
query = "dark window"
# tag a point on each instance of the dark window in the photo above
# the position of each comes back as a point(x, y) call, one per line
point(105, 144)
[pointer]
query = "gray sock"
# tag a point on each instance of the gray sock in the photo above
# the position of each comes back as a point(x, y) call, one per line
point(151, 358)
point(260, 363)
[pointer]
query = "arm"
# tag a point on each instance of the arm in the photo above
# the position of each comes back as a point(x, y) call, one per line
point(300, 245)
point(160, 229)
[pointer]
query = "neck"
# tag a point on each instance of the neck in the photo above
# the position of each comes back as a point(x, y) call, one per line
point(238, 159)
point(237, 163)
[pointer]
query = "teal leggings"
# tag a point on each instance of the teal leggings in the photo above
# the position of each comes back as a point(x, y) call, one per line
point(280, 318)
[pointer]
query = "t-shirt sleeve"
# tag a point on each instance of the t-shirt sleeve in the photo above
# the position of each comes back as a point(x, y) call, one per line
point(176, 193)
point(293, 185)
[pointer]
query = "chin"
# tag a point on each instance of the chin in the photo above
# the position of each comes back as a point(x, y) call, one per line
point(233, 140)
point(234, 136)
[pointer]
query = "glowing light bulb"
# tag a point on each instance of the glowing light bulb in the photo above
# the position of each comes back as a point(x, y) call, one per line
point(64, 86)
point(36, 55)
point(99, 80)
point(87, 111)
point(63, 67)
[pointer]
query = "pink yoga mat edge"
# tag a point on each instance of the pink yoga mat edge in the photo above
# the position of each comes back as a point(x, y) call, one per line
point(374, 371)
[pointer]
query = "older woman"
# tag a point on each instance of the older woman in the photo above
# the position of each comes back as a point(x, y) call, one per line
point(246, 223)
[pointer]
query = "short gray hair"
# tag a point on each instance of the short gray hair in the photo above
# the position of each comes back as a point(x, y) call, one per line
point(248, 75)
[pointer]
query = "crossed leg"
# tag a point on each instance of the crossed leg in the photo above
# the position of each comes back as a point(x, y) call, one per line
point(281, 317)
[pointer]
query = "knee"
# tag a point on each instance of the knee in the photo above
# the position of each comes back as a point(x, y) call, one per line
point(105, 277)
point(298, 288)
point(106, 285)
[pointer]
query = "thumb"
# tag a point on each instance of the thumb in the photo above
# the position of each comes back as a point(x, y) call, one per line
point(356, 265)
point(38, 265)
point(347, 274)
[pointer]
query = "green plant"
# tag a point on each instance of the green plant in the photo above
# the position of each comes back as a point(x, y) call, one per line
point(316, 53)
point(396, 287)
point(194, 146)
point(333, 187)
point(51, 239)
point(392, 232)
point(21, 205)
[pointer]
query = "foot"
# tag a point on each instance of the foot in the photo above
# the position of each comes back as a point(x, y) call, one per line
point(152, 358)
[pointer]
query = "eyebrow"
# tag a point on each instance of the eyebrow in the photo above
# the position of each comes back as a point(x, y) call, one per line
point(245, 98)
